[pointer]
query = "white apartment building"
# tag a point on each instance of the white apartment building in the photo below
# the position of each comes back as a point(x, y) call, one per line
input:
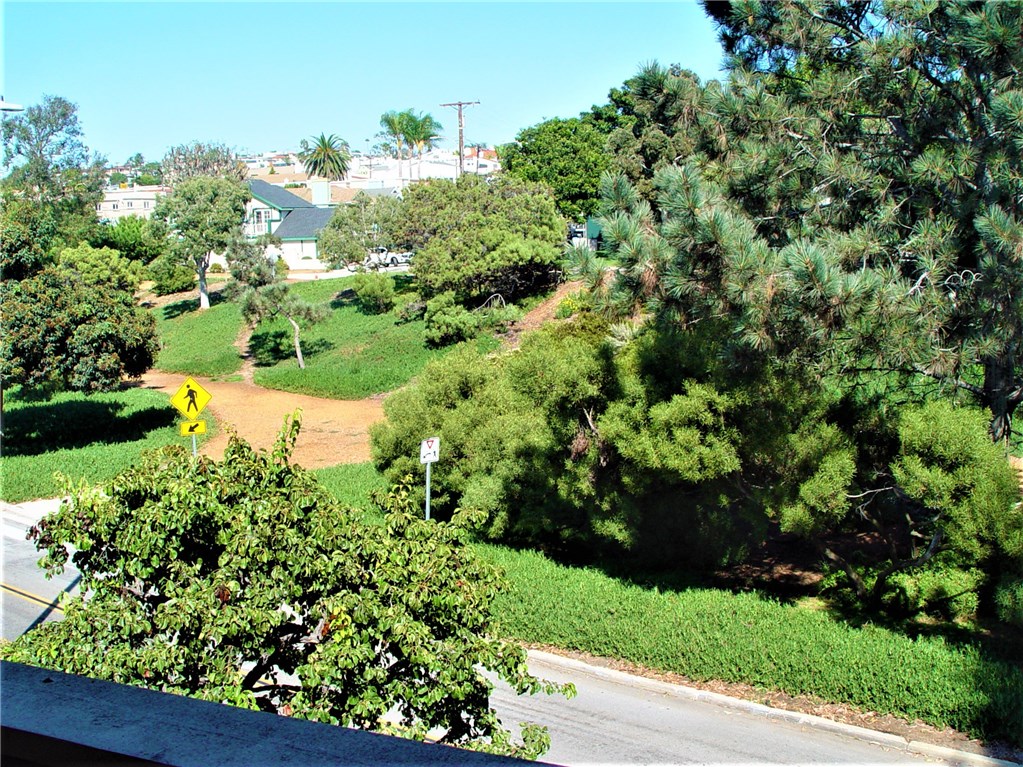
point(119, 202)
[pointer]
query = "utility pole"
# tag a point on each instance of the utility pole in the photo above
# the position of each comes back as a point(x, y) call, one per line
point(461, 130)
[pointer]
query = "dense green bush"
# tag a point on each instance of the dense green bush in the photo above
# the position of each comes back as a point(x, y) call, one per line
point(478, 237)
point(375, 291)
point(169, 276)
point(1009, 600)
point(448, 322)
point(102, 267)
point(945, 592)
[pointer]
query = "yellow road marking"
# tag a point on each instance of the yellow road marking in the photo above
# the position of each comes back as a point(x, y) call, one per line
point(30, 597)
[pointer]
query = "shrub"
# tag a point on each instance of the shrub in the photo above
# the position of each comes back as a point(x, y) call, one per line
point(375, 291)
point(448, 322)
point(169, 276)
point(946, 592)
point(1009, 600)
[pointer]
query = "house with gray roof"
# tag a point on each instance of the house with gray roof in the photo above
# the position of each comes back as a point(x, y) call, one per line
point(295, 221)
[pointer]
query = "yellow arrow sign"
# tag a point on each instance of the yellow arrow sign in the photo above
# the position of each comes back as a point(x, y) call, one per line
point(191, 399)
point(189, 428)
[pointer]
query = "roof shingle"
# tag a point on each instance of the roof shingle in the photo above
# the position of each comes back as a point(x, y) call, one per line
point(275, 196)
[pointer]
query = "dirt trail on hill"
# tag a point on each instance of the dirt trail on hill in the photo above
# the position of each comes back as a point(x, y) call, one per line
point(333, 431)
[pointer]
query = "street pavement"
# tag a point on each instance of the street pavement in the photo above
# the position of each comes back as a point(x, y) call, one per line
point(616, 718)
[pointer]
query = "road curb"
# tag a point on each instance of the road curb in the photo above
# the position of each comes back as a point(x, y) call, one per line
point(884, 739)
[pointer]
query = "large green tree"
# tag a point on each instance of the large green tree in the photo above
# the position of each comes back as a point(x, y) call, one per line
point(50, 166)
point(567, 155)
point(326, 156)
point(905, 122)
point(477, 237)
point(71, 330)
point(242, 581)
point(204, 216)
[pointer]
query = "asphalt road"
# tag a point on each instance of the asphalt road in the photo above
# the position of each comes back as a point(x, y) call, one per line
point(615, 719)
point(618, 719)
point(27, 597)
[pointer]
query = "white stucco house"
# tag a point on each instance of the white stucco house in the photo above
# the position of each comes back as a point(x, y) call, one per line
point(297, 222)
point(119, 202)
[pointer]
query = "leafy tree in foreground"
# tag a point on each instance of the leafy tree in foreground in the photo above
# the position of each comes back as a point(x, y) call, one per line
point(567, 155)
point(264, 292)
point(205, 216)
point(327, 156)
point(195, 567)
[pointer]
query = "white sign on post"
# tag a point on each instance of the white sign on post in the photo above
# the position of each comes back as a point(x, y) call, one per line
point(429, 450)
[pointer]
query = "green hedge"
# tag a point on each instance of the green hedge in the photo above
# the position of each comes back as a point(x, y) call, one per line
point(708, 634)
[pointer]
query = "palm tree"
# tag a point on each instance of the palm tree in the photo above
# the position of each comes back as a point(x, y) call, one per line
point(423, 134)
point(397, 126)
point(327, 156)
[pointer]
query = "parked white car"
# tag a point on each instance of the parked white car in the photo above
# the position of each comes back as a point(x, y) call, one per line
point(381, 256)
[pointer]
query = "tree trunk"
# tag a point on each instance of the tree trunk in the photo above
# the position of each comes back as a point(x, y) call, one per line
point(204, 292)
point(854, 577)
point(999, 395)
point(298, 345)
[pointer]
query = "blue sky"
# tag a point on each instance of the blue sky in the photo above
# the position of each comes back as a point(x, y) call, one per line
point(261, 76)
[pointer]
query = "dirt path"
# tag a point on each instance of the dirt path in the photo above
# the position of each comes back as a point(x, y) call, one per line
point(333, 431)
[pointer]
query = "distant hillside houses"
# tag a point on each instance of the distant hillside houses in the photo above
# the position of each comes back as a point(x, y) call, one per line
point(289, 204)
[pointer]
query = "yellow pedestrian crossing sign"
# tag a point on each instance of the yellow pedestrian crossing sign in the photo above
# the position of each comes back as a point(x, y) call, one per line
point(191, 399)
point(191, 428)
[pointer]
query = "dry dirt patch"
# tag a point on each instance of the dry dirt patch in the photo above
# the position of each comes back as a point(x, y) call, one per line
point(333, 431)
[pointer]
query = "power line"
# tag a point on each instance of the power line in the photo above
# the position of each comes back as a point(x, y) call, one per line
point(461, 129)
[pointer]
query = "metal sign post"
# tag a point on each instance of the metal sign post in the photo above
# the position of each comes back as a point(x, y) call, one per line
point(190, 400)
point(429, 452)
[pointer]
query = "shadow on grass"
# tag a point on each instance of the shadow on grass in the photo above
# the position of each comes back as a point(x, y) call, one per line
point(270, 348)
point(348, 298)
point(42, 427)
point(190, 305)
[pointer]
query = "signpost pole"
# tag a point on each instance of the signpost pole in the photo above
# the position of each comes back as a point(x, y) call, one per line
point(428, 491)
point(429, 451)
point(195, 450)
